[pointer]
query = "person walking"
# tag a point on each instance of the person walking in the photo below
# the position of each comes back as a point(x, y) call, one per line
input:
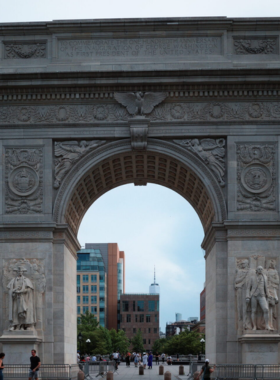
point(127, 360)
point(2, 355)
point(150, 360)
point(145, 360)
point(162, 358)
point(136, 360)
point(206, 370)
point(35, 364)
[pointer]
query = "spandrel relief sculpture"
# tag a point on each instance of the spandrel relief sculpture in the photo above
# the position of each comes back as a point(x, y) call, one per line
point(256, 286)
point(24, 282)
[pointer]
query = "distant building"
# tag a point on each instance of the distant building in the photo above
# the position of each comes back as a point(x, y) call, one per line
point(100, 281)
point(178, 317)
point(193, 319)
point(154, 288)
point(175, 328)
point(202, 305)
point(199, 327)
point(140, 311)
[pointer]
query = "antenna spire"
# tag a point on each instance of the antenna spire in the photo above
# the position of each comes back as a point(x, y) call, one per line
point(154, 274)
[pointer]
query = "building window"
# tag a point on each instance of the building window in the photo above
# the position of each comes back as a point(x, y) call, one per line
point(78, 309)
point(149, 341)
point(134, 331)
point(157, 305)
point(125, 306)
point(144, 341)
point(128, 318)
point(102, 288)
point(85, 288)
point(78, 299)
point(156, 318)
point(151, 305)
point(101, 278)
point(148, 318)
point(85, 278)
point(119, 271)
point(85, 299)
point(119, 281)
point(78, 284)
point(133, 305)
point(93, 278)
point(85, 309)
point(93, 289)
point(141, 317)
point(101, 309)
point(140, 305)
point(93, 309)
point(155, 330)
point(93, 299)
point(136, 317)
point(149, 330)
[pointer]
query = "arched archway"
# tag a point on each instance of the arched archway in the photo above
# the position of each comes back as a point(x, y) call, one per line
point(115, 164)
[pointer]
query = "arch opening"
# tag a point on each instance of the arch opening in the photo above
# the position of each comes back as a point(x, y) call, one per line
point(139, 168)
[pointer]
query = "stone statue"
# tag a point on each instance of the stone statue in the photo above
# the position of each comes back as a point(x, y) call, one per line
point(21, 302)
point(138, 103)
point(257, 294)
point(241, 279)
point(272, 287)
point(67, 153)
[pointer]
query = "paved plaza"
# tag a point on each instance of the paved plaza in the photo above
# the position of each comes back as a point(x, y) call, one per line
point(133, 373)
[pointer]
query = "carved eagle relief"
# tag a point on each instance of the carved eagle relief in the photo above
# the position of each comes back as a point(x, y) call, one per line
point(138, 103)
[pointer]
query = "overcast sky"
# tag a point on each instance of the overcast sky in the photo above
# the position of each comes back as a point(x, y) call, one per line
point(153, 225)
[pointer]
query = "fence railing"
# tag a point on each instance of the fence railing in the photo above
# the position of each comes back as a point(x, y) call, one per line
point(46, 371)
point(247, 371)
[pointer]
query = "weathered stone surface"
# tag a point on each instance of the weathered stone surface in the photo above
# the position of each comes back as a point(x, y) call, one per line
point(191, 104)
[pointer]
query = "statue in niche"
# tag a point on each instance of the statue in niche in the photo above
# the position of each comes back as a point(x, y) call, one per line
point(272, 287)
point(21, 302)
point(257, 294)
point(241, 279)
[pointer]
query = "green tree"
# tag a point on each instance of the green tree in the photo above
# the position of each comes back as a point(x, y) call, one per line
point(119, 341)
point(87, 322)
point(137, 342)
point(185, 343)
point(158, 345)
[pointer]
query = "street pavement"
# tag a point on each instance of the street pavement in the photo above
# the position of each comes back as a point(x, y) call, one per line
point(128, 373)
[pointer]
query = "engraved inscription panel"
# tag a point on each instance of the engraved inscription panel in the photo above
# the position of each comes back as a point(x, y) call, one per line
point(146, 47)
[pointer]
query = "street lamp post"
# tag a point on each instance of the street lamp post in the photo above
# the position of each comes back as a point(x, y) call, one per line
point(202, 341)
point(88, 341)
point(80, 337)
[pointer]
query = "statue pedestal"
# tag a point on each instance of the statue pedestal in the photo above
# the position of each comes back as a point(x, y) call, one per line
point(17, 346)
point(260, 347)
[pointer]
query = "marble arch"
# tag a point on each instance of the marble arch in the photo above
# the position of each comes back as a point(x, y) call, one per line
point(192, 104)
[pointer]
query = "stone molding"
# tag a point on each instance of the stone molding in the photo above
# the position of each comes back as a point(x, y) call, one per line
point(25, 50)
point(253, 233)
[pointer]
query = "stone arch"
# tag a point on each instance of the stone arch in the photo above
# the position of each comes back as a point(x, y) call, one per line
point(115, 164)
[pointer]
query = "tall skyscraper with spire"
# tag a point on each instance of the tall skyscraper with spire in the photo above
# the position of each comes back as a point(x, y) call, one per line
point(154, 288)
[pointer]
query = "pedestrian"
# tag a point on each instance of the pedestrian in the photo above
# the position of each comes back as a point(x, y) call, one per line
point(35, 364)
point(206, 370)
point(2, 355)
point(93, 359)
point(127, 360)
point(162, 357)
point(116, 358)
point(145, 360)
point(136, 360)
point(169, 360)
point(157, 358)
point(150, 360)
point(78, 357)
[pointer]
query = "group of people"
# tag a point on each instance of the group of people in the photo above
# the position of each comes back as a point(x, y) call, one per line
point(35, 364)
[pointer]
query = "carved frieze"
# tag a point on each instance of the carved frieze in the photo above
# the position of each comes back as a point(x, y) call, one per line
point(212, 153)
point(24, 50)
point(255, 46)
point(24, 282)
point(67, 153)
point(256, 287)
point(23, 180)
point(211, 112)
point(256, 177)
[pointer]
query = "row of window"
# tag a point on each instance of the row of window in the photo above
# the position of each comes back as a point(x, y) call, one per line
point(93, 278)
point(140, 306)
point(139, 318)
point(93, 309)
point(93, 288)
point(93, 299)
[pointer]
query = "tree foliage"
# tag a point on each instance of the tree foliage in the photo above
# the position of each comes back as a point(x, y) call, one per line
point(184, 344)
point(137, 342)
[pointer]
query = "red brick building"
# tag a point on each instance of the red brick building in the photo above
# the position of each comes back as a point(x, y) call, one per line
point(202, 305)
point(140, 311)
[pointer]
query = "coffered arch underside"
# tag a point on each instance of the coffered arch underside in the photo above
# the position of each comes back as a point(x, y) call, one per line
point(156, 165)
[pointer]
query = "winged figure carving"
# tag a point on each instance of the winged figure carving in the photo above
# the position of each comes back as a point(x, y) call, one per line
point(139, 103)
point(67, 153)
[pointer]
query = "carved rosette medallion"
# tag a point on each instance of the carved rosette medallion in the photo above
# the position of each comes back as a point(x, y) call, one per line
point(256, 177)
point(23, 180)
